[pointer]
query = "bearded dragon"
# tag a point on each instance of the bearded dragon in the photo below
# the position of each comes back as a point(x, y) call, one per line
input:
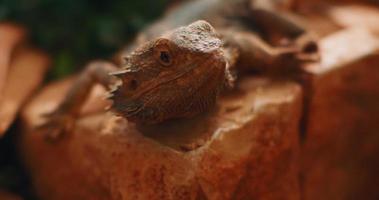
point(178, 66)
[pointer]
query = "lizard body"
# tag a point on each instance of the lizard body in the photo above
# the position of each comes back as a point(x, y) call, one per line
point(180, 73)
point(236, 15)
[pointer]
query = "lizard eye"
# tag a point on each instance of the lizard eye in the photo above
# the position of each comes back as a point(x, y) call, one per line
point(162, 52)
point(165, 58)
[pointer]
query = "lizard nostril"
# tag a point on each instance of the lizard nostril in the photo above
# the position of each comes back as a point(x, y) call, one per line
point(133, 84)
point(310, 48)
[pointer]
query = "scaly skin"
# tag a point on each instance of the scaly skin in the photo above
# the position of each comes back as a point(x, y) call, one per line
point(180, 73)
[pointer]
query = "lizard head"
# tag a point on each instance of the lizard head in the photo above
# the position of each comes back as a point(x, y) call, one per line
point(179, 74)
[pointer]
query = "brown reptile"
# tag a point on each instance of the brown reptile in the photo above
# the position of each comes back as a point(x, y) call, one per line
point(177, 71)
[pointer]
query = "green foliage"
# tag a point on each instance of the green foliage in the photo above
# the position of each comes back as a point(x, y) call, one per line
point(75, 31)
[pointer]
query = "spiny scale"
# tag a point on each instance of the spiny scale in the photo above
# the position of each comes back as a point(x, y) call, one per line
point(115, 88)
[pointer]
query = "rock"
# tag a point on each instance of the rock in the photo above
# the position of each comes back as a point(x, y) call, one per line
point(356, 15)
point(16, 64)
point(341, 141)
point(309, 4)
point(246, 148)
point(11, 36)
point(26, 73)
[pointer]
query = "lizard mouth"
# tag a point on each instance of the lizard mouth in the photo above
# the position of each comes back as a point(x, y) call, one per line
point(128, 109)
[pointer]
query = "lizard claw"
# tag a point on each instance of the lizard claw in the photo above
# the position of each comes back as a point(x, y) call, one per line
point(293, 58)
point(56, 126)
point(308, 48)
point(303, 50)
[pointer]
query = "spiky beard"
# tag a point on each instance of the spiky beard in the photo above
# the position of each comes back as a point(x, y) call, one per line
point(125, 106)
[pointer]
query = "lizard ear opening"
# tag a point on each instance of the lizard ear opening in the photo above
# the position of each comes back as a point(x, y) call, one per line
point(162, 52)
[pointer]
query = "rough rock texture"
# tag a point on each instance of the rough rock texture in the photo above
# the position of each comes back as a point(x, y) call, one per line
point(21, 83)
point(246, 148)
point(341, 147)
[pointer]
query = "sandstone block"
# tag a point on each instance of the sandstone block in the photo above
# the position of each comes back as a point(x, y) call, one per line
point(246, 148)
point(341, 138)
point(26, 73)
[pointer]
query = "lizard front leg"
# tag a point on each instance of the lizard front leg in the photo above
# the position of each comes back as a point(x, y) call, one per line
point(62, 119)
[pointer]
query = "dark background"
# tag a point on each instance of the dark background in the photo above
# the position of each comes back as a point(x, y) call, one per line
point(72, 32)
point(75, 31)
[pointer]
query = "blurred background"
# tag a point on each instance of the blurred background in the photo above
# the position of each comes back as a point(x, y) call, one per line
point(75, 31)
point(72, 32)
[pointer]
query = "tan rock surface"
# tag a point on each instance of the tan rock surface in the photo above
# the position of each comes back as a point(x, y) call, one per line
point(10, 36)
point(342, 141)
point(246, 148)
point(26, 73)
point(356, 15)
